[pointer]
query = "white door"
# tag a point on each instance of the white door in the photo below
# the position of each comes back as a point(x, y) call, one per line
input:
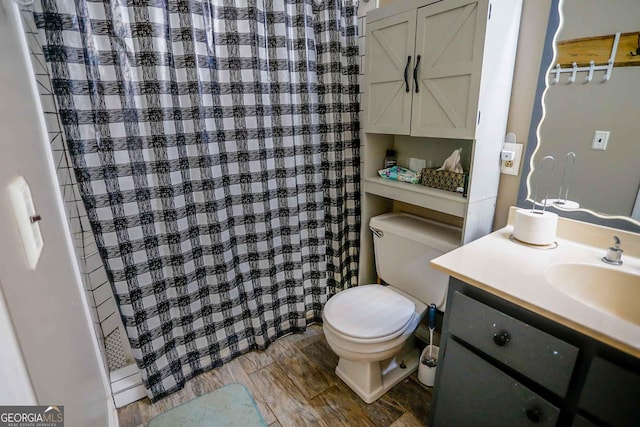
point(389, 64)
point(449, 42)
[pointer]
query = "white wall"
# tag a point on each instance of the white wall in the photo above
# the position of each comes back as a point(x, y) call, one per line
point(47, 308)
point(107, 323)
point(533, 29)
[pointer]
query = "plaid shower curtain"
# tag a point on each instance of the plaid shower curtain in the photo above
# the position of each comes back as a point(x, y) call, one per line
point(215, 144)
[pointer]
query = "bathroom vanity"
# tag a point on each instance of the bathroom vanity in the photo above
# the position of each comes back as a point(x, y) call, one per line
point(518, 348)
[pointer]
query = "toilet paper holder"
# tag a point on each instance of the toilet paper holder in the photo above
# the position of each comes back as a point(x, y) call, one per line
point(549, 160)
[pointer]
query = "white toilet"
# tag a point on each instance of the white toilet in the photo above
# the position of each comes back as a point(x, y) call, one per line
point(371, 327)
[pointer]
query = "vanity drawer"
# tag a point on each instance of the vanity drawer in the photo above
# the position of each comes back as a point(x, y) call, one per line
point(612, 394)
point(473, 392)
point(580, 421)
point(535, 354)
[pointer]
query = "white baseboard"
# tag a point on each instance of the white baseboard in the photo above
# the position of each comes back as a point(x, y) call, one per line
point(127, 386)
point(125, 372)
point(130, 395)
point(113, 413)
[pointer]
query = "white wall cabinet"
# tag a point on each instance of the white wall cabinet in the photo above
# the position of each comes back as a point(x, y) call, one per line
point(439, 72)
point(424, 68)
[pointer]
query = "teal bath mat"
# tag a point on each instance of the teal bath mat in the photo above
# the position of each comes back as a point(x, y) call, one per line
point(229, 406)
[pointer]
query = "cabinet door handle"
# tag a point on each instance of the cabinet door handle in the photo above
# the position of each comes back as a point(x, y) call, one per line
point(415, 74)
point(501, 338)
point(534, 414)
point(406, 74)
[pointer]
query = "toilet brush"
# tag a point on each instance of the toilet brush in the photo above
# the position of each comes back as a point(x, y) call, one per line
point(430, 361)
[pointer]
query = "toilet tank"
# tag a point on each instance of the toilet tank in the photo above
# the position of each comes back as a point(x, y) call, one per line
point(404, 244)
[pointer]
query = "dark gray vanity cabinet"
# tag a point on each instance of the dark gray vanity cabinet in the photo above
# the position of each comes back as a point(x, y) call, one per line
point(472, 391)
point(502, 365)
point(612, 393)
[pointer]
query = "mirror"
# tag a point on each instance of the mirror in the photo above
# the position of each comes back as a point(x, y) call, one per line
point(604, 185)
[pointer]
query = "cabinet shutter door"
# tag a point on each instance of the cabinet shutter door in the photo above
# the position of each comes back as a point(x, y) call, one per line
point(390, 42)
point(449, 39)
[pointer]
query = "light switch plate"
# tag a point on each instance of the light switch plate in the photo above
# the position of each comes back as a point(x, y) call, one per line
point(25, 210)
point(600, 140)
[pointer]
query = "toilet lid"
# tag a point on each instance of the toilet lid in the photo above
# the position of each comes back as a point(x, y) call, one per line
point(370, 311)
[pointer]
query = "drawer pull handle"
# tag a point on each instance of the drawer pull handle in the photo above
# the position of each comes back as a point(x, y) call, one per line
point(534, 414)
point(501, 338)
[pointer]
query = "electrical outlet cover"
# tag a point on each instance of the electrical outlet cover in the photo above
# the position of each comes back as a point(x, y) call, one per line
point(511, 167)
point(508, 155)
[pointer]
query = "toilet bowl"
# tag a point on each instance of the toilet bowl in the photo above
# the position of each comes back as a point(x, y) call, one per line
point(376, 356)
point(371, 327)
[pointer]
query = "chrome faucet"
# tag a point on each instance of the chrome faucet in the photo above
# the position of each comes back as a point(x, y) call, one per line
point(614, 253)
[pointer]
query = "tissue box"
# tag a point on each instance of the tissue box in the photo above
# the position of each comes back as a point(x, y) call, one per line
point(443, 180)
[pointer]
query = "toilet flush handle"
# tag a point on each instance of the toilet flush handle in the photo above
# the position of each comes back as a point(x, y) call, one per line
point(376, 232)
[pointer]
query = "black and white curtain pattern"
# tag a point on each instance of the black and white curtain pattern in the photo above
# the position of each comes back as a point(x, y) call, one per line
point(215, 143)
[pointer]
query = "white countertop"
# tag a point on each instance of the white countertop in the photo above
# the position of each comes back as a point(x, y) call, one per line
point(516, 272)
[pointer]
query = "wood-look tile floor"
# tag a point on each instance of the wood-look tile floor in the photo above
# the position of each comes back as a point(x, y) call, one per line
point(294, 384)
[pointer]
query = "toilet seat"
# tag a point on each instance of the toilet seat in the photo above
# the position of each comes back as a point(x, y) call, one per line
point(369, 313)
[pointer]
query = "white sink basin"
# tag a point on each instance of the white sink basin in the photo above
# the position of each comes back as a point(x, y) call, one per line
point(608, 289)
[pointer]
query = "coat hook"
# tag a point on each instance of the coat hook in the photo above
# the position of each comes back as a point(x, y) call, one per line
point(556, 79)
point(637, 52)
point(612, 58)
point(573, 73)
point(592, 66)
point(607, 75)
